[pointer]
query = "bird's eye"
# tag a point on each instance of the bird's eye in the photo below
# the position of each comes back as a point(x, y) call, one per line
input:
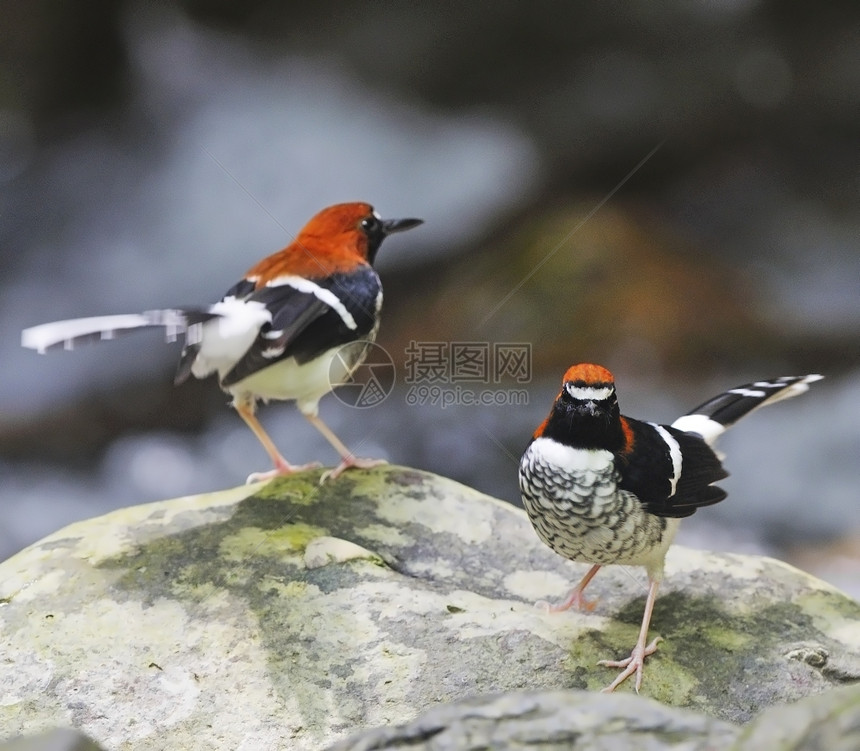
point(370, 224)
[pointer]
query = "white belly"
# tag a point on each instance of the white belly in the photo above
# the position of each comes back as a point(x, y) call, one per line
point(305, 383)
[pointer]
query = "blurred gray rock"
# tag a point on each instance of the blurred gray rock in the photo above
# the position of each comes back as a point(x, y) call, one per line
point(828, 722)
point(61, 739)
point(292, 615)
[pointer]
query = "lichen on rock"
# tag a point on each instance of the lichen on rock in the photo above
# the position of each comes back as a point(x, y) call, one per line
point(292, 614)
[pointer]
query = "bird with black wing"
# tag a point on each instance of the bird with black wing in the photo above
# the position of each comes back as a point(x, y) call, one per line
point(296, 325)
point(602, 488)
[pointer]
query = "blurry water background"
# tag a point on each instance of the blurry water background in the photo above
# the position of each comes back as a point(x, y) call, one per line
point(150, 154)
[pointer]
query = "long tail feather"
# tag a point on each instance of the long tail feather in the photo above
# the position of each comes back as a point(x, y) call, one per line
point(712, 418)
point(67, 334)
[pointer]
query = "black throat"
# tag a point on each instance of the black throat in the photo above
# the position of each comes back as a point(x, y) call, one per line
point(574, 424)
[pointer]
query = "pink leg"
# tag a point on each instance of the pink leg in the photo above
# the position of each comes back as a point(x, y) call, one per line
point(347, 458)
point(282, 466)
point(636, 662)
point(575, 597)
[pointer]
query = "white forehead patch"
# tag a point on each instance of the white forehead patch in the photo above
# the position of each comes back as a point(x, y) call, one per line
point(589, 393)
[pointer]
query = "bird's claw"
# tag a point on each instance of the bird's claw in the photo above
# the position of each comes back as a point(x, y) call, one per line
point(577, 601)
point(280, 471)
point(347, 463)
point(633, 664)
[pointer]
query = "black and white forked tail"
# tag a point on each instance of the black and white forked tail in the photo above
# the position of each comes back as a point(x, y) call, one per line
point(67, 334)
point(712, 418)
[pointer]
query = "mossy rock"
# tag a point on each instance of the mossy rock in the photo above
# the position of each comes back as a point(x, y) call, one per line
point(293, 614)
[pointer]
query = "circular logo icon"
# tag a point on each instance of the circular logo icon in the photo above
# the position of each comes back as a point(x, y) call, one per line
point(361, 374)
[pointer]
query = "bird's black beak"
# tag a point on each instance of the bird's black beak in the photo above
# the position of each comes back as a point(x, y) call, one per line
point(390, 226)
point(589, 408)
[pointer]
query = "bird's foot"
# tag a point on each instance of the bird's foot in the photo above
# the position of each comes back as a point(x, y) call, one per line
point(633, 664)
point(575, 599)
point(281, 470)
point(349, 462)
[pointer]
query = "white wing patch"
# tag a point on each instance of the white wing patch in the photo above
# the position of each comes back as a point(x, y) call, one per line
point(324, 295)
point(224, 339)
point(238, 318)
point(674, 453)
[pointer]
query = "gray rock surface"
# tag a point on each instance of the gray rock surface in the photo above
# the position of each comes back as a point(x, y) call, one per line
point(551, 721)
point(292, 615)
point(580, 721)
point(826, 722)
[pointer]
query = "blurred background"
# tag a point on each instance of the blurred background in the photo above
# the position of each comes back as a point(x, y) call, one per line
point(672, 190)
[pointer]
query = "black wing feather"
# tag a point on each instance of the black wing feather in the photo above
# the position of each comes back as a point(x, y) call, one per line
point(304, 326)
point(646, 472)
point(292, 312)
